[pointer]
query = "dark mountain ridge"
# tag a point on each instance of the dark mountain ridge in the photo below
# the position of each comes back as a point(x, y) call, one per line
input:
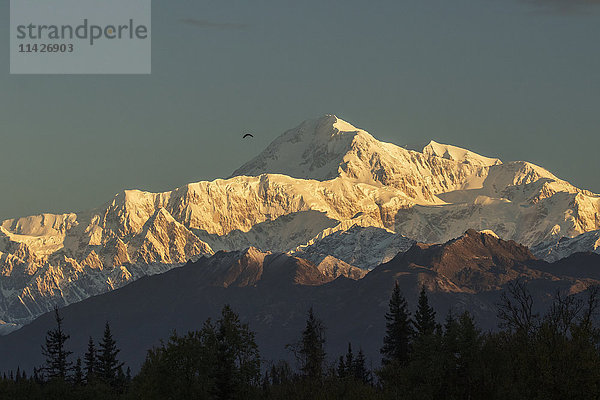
point(273, 291)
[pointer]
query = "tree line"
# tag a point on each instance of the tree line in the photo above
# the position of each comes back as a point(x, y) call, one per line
point(551, 356)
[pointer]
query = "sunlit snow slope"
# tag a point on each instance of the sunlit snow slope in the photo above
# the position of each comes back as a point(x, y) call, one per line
point(300, 194)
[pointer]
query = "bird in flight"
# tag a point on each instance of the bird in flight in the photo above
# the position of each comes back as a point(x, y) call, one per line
point(248, 135)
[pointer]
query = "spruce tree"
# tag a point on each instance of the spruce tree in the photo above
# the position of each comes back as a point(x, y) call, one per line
point(266, 382)
point(449, 352)
point(310, 351)
point(396, 343)
point(108, 364)
point(78, 373)
point(424, 316)
point(225, 369)
point(350, 361)
point(120, 380)
point(275, 375)
point(341, 369)
point(57, 364)
point(450, 333)
point(424, 373)
point(238, 359)
point(361, 373)
point(91, 362)
point(468, 361)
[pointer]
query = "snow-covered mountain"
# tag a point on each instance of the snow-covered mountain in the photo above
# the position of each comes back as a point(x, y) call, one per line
point(441, 190)
point(329, 148)
point(314, 181)
point(363, 247)
point(52, 260)
point(554, 250)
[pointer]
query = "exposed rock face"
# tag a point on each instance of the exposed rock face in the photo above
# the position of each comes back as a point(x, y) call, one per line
point(333, 268)
point(473, 263)
point(253, 267)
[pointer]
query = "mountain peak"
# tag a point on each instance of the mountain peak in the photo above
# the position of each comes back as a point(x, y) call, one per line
point(339, 124)
point(313, 150)
point(476, 261)
point(328, 147)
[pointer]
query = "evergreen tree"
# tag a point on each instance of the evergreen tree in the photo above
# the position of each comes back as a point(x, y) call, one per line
point(351, 367)
point(91, 363)
point(468, 365)
point(450, 337)
point(449, 351)
point(108, 364)
point(281, 373)
point(341, 369)
point(424, 373)
point(78, 373)
point(311, 351)
point(350, 361)
point(266, 381)
point(274, 376)
point(57, 363)
point(238, 361)
point(120, 380)
point(360, 370)
point(396, 343)
point(424, 316)
point(225, 380)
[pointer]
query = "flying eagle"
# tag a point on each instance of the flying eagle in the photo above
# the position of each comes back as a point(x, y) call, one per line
point(248, 135)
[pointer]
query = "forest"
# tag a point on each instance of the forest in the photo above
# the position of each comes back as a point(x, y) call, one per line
point(550, 355)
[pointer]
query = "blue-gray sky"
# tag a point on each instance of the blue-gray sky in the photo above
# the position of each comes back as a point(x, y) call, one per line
point(516, 79)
